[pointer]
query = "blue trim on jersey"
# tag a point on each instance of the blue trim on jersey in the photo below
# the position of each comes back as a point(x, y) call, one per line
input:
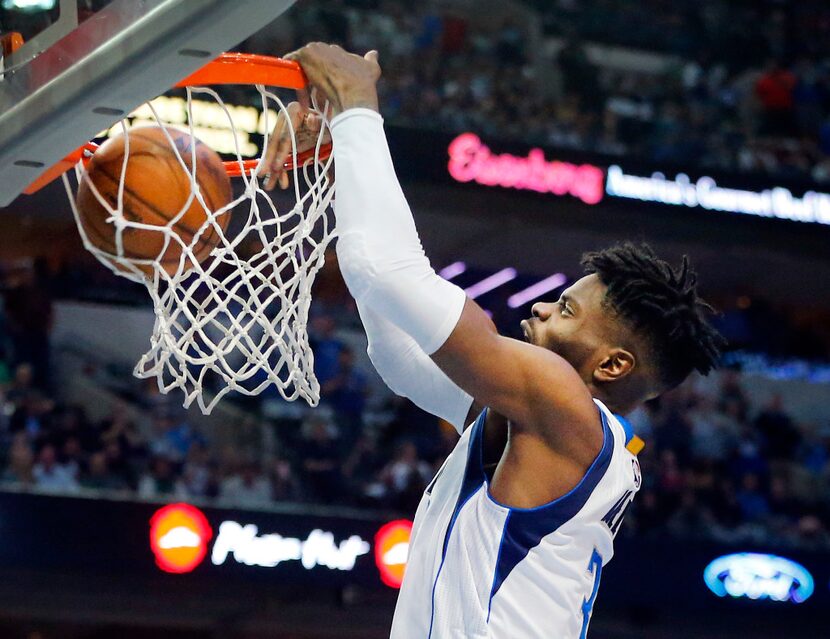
point(498, 559)
point(473, 481)
point(473, 474)
point(627, 427)
point(525, 527)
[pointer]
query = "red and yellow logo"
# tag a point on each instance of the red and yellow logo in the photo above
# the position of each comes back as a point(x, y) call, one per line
point(179, 536)
point(392, 550)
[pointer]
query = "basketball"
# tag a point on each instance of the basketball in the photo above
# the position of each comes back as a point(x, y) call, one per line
point(156, 192)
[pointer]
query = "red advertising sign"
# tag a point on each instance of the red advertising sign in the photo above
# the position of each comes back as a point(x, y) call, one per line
point(391, 551)
point(179, 536)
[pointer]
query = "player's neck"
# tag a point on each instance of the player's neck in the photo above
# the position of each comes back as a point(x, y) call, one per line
point(616, 404)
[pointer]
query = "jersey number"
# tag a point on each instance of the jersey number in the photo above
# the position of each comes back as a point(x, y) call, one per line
point(595, 568)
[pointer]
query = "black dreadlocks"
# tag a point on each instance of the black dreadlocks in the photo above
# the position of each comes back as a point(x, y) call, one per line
point(661, 304)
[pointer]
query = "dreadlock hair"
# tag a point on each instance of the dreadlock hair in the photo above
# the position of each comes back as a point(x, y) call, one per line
point(661, 304)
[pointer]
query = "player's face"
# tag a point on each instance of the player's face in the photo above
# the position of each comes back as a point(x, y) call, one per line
point(575, 327)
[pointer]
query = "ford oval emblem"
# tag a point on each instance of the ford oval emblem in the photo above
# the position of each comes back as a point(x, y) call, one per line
point(759, 576)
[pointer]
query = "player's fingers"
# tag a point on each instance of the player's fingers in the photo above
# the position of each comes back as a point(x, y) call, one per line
point(308, 57)
point(305, 58)
point(280, 146)
point(273, 140)
point(274, 153)
point(373, 58)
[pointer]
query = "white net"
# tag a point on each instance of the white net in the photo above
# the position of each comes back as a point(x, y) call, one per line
point(236, 320)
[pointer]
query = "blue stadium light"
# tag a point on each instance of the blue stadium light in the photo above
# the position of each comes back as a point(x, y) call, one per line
point(29, 6)
point(759, 576)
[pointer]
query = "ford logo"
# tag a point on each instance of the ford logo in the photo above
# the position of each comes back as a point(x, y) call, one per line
point(758, 576)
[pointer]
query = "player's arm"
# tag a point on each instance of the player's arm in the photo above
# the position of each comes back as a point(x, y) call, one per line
point(404, 367)
point(533, 387)
point(411, 373)
point(385, 268)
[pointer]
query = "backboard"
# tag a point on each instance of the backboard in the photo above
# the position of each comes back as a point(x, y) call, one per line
point(78, 77)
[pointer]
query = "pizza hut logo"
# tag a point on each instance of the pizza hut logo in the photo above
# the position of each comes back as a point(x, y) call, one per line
point(179, 536)
point(392, 550)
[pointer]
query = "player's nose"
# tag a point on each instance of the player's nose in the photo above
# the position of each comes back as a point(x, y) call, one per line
point(541, 310)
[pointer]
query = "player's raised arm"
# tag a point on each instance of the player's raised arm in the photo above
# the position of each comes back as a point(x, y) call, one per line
point(386, 270)
point(405, 368)
point(409, 372)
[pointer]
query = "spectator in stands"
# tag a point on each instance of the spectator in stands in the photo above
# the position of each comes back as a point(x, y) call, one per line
point(692, 518)
point(714, 435)
point(320, 458)
point(51, 475)
point(779, 432)
point(197, 477)
point(33, 416)
point(784, 508)
point(285, 485)
point(120, 428)
point(69, 422)
point(346, 394)
point(405, 477)
point(812, 534)
point(326, 347)
point(775, 92)
point(172, 436)
point(726, 508)
point(751, 500)
point(100, 477)
point(159, 481)
point(247, 488)
point(19, 473)
point(362, 468)
point(28, 307)
point(122, 465)
point(22, 384)
point(71, 455)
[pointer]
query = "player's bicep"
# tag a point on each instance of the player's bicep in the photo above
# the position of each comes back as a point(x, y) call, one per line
point(529, 385)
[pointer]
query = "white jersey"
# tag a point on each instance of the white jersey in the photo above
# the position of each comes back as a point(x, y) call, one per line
point(477, 568)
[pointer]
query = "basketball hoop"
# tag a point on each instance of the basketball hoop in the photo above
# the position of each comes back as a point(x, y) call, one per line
point(236, 321)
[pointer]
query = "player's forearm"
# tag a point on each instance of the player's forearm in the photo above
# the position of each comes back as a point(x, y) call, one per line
point(379, 251)
point(409, 372)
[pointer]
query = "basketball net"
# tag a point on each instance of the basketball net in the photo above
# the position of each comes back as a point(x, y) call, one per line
point(237, 321)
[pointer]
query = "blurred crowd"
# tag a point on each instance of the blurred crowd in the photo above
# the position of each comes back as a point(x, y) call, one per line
point(732, 86)
point(716, 466)
point(722, 84)
point(725, 86)
point(150, 448)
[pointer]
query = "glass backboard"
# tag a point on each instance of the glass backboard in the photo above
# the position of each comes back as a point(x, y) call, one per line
point(97, 61)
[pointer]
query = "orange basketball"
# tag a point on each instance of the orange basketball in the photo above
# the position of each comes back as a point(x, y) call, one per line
point(156, 190)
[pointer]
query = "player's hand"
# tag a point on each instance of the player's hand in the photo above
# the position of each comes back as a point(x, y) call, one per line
point(306, 125)
point(347, 80)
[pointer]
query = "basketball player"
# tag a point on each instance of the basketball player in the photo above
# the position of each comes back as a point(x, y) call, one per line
point(511, 536)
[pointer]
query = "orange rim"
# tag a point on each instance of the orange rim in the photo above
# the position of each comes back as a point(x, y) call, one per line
point(248, 68)
point(228, 68)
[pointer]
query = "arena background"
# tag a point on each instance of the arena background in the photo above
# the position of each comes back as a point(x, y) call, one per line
point(659, 121)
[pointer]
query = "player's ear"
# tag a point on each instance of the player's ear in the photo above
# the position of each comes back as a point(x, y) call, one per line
point(616, 364)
